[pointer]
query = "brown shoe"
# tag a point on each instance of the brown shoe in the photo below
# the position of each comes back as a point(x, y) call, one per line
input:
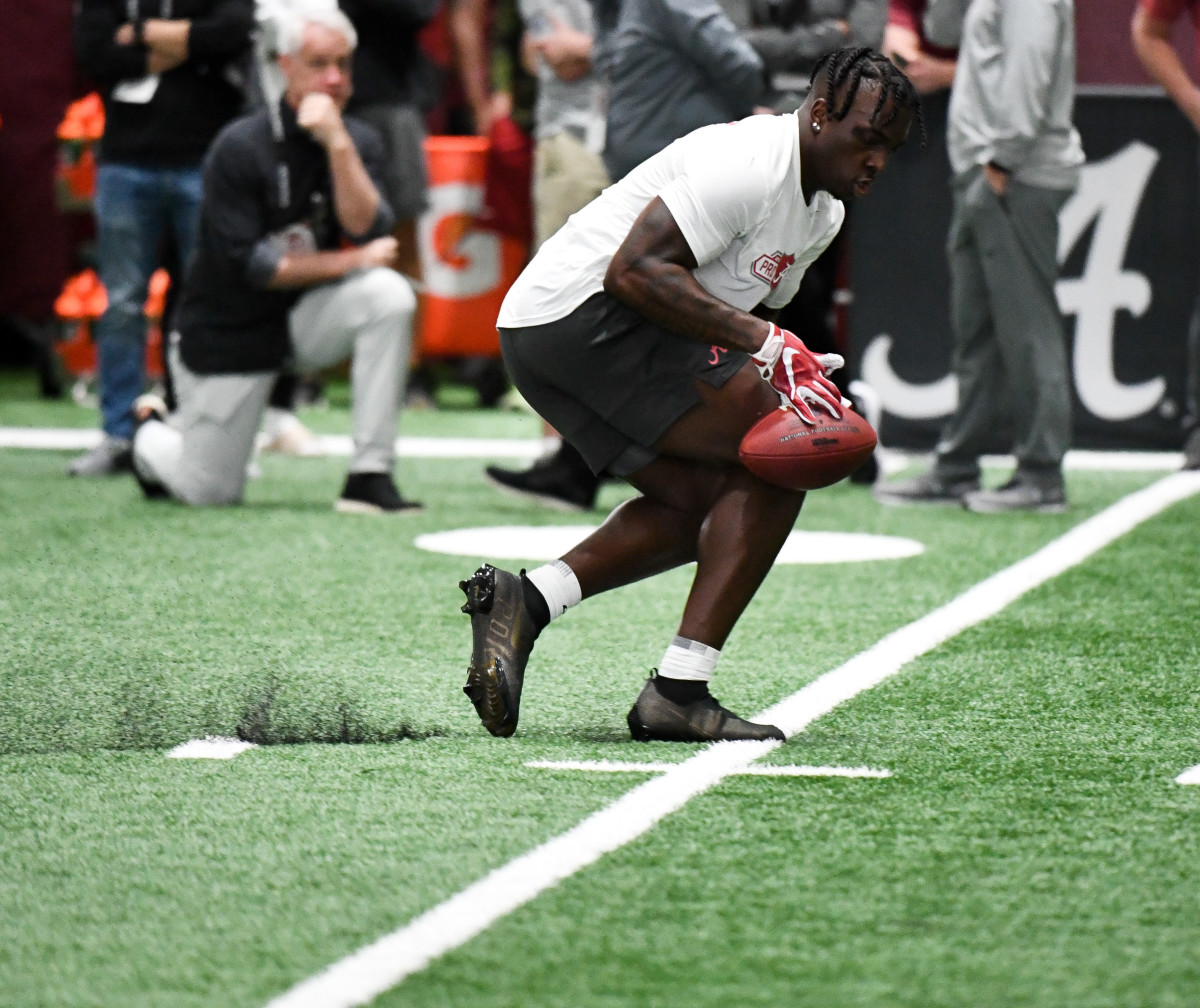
point(654, 718)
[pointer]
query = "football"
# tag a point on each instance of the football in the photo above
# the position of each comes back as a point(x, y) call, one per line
point(784, 450)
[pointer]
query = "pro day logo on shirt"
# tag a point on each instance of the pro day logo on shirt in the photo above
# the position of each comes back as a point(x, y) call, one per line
point(770, 268)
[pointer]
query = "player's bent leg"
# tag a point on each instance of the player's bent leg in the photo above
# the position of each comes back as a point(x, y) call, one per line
point(641, 537)
point(744, 526)
point(697, 457)
point(647, 535)
point(737, 543)
point(743, 534)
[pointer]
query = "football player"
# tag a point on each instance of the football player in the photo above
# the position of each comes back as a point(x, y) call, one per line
point(643, 331)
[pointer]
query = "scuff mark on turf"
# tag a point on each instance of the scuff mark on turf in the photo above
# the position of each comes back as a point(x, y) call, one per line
point(141, 718)
point(255, 722)
point(271, 717)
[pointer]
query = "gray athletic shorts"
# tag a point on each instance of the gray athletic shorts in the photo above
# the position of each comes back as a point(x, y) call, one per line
point(610, 381)
point(404, 175)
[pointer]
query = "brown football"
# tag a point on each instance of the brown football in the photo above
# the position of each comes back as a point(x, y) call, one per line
point(784, 450)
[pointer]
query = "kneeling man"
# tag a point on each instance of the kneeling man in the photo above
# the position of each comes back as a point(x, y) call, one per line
point(293, 261)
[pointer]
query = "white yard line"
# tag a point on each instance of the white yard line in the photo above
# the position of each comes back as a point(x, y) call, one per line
point(617, 766)
point(1189, 776)
point(378, 967)
point(72, 439)
point(210, 747)
point(65, 439)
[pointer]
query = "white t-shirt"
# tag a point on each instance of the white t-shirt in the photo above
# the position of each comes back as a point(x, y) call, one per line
point(733, 189)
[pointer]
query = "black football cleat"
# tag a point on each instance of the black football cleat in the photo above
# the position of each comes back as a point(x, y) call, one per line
point(654, 718)
point(502, 636)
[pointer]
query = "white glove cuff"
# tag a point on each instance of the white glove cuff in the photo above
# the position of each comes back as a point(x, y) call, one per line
point(767, 355)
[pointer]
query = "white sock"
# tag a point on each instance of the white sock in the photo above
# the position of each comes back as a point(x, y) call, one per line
point(559, 587)
point(689, 659)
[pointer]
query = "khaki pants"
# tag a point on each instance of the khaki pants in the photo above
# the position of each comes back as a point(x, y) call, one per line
point(201, 455)
point(566, 177)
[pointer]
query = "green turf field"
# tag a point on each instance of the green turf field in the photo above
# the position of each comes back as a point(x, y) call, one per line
point(1031, 846)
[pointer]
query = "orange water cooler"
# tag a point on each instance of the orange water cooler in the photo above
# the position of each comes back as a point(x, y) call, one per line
point(468, 268)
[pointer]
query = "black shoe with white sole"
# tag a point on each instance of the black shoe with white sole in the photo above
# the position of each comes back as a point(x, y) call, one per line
point(654, 718)
point(373, 493)
point(561, 480)
point(1018, 495)
point(928, 488)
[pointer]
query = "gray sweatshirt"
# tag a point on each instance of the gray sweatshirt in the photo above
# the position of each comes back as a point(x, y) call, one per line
point(673, 66)
point(1014, 89)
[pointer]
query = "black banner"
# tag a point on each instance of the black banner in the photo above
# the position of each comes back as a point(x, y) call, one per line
point(1129, 251)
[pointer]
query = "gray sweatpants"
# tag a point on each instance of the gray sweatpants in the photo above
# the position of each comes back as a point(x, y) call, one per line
point(1010, 352)
point(201, 455)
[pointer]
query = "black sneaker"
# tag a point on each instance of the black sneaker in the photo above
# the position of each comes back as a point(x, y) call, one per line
point(110, 457)
point(372, 493)
point(654, 718)
point(866, 474)
point(867, 405)
point(1191, 451)
point(502, 636)
point(928, 488)
point(561, 480)
point(1018, 495)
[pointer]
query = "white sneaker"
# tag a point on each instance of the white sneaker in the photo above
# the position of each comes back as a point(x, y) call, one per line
point(110, 457)
point(291, 437)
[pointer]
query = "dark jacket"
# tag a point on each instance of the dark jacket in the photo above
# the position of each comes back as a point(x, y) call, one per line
point(229, 319)
point(791, 35)
point(389, 65)
point(192, 102)
point(672, 66)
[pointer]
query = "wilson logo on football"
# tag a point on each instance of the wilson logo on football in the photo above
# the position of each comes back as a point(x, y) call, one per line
point(770, 268)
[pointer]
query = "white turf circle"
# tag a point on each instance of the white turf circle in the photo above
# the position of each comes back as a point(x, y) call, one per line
point(547, 542)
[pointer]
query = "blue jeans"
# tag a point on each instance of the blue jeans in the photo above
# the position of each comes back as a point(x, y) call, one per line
point(135, 207)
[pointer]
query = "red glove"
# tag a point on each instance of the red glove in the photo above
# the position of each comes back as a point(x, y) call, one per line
point(798, 375)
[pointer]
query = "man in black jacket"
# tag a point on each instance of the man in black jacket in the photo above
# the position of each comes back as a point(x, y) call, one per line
point(169, 74)
point(293, 259)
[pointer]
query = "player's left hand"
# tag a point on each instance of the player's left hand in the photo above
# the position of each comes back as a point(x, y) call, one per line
point(318, 113)
point(799, 376)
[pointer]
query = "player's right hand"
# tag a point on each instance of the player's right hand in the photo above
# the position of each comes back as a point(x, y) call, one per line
point(380, 252)
point(798, 375)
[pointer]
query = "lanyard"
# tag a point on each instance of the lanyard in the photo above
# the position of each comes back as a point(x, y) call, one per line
point(165, 8)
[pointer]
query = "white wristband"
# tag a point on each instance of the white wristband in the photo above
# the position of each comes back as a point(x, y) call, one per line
point(767, 355)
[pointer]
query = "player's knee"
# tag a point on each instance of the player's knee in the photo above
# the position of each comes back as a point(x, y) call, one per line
point(211, 492)
point(209, 484)
point(387, 294)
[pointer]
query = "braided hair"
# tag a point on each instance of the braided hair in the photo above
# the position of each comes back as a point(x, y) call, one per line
point(844, 69)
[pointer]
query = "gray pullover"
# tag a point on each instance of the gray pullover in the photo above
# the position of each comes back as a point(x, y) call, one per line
point(673, 66)
point(1014, 89)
